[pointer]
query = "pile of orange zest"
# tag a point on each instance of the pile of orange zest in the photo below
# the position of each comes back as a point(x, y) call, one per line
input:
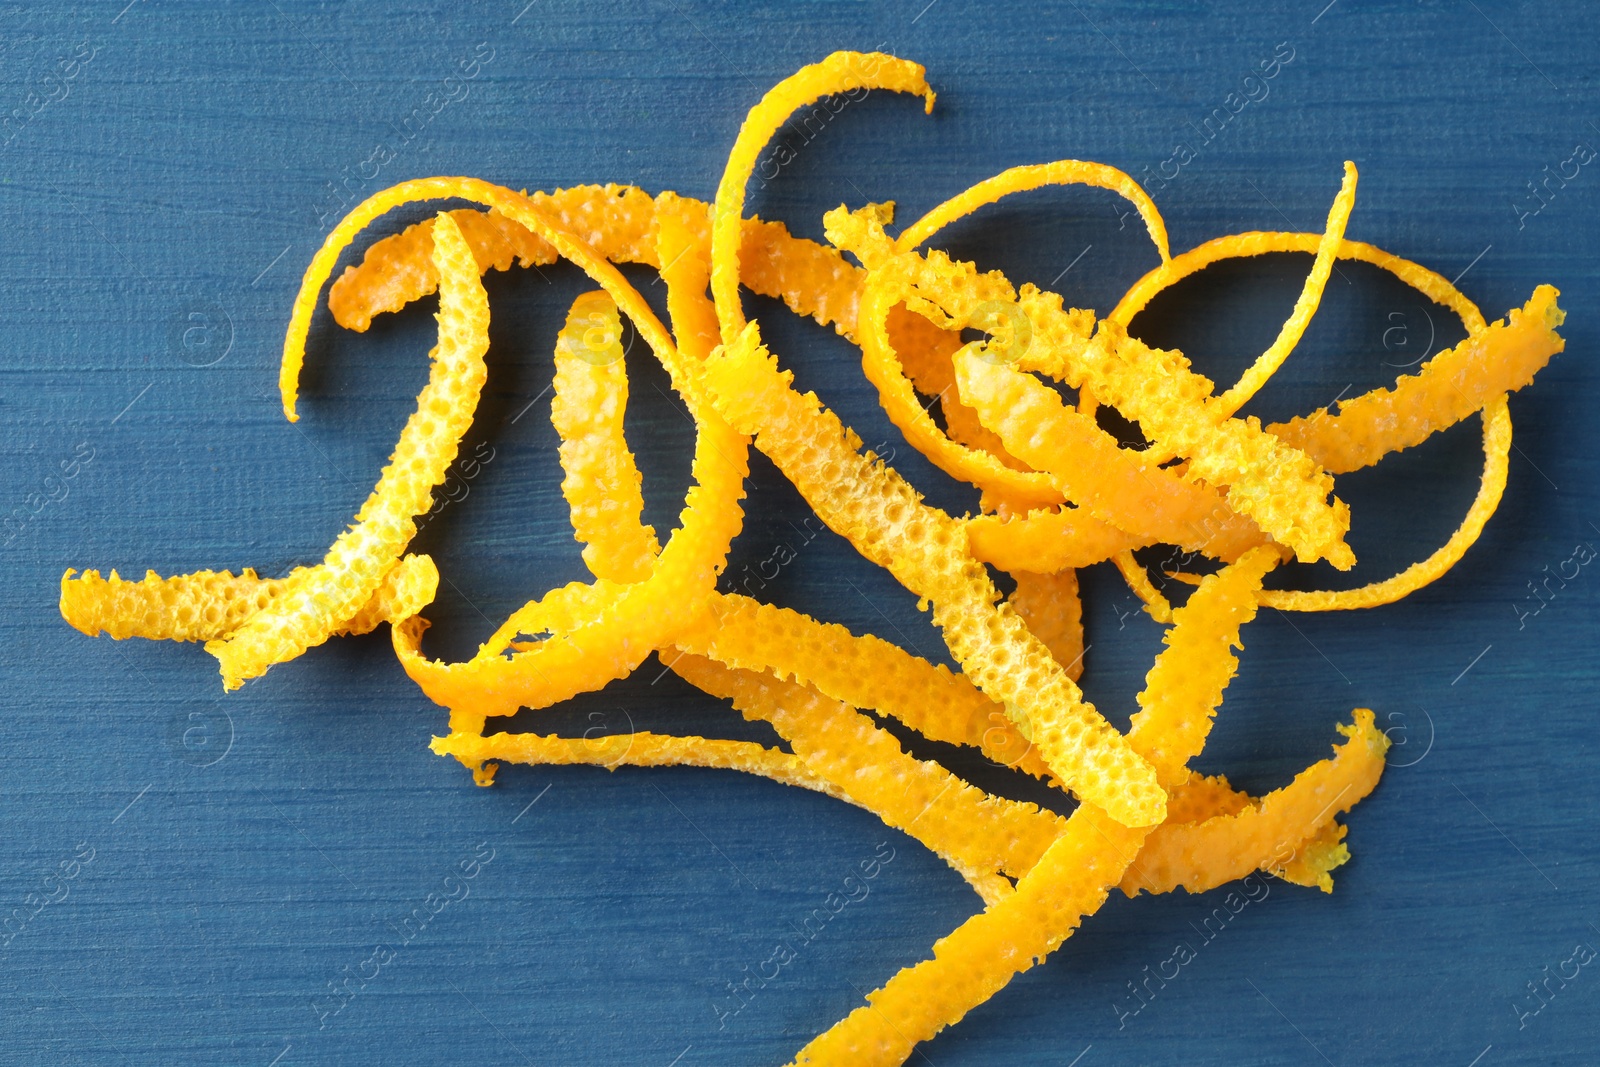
point(1057, 493)
point(882, 515)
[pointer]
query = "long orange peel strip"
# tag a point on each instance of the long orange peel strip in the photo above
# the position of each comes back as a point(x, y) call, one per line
point(209, 605)
point(310, 612)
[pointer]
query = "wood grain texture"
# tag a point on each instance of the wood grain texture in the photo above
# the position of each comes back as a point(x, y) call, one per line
point(249, 852)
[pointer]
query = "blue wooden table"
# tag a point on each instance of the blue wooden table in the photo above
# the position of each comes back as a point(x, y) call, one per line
point(194, 878)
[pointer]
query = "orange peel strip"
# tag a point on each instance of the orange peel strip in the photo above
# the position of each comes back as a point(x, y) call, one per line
point(601, 482)
point(1497, 359)
point(1199, 856)
point(397, 270)
point(333, 591)
point(1046, 540)
point(1278, 486)
point(1034, 176)
point(1267, 364)
point(637, 749)
point(206, 605)
point(1050, 606)
point(838, 73)
point(1155, 605)
point(1077, 872)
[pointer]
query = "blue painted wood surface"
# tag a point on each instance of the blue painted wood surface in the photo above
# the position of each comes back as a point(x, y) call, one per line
point(194, 873)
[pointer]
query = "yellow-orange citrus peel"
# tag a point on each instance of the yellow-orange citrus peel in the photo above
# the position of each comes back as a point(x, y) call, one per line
point(1199, 856)
point(1058, 492)
point(602, 483)
point(207, 605)
point(1050, 606)
point(637, 749)
point(974, 832)
point(1294, 327)
point(1117, 485)
point(309, 612)
point(925, 549)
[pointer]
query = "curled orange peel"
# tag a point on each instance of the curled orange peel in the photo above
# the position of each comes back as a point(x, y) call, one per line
point(1200, 856)
point(838, 73)
point(207, 605)
point(312, 608)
